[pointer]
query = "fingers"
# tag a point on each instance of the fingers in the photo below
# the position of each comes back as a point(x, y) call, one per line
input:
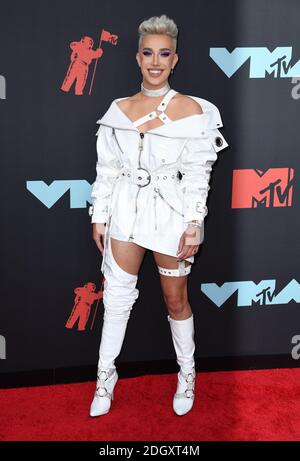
point(187, 251)
point(181, 243)
point(98, 239)
point(99, 244)
point(188, 244)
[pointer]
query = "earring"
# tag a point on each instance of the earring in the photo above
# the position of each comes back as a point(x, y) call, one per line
point(172, 70)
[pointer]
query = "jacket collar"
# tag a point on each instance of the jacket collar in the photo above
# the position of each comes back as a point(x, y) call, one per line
point(190, 126)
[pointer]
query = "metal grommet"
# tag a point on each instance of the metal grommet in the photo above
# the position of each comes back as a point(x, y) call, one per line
point(163, 159)
point(173, 176)
point(218, 141)
point(140, 177)
point(150, 115)
point(165, 177)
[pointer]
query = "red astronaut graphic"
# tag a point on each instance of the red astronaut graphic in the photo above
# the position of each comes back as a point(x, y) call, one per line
point(85, 297)
point(81, 57)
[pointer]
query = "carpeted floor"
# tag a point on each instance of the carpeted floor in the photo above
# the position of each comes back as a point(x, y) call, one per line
point(240, 405)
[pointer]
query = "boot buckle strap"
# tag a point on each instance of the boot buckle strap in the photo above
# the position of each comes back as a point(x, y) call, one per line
point(190, 385)
point(189, 377)
point(107, 374)
point(101, 390)
point(188, 393)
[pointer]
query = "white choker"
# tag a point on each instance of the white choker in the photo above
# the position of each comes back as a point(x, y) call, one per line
point(160, 92)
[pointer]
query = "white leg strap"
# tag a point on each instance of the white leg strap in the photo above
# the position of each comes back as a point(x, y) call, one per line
point(182, 270)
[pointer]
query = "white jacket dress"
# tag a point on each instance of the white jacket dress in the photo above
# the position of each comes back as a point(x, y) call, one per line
point(139, 192)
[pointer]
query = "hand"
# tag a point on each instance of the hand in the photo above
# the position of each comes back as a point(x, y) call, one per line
point(99, 52)
point(98, 235)
point(189, 243)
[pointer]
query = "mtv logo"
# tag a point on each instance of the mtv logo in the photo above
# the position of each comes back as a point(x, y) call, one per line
point(253, 188)
point(262, 62)
point(250, 293)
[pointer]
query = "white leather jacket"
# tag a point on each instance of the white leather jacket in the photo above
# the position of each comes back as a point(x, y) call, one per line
point(138, 183)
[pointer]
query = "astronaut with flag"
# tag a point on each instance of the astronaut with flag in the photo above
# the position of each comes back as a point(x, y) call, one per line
point(81, 57)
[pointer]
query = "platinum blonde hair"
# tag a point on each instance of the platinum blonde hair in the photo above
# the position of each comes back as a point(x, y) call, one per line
point(158, 25)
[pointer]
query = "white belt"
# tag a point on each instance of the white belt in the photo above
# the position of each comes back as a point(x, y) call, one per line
point(142, 177)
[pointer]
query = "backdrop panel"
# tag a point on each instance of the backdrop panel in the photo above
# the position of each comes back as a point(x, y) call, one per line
point(244, 57)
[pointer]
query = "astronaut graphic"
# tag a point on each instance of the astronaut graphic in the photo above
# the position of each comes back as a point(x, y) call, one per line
point(85, 297)
point(81, 57)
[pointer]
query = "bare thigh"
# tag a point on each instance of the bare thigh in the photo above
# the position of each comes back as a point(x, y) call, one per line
point(128, 255)
point(172, 286)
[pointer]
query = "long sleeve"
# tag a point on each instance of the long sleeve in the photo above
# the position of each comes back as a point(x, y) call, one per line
point(198, 156)
point(107, 168)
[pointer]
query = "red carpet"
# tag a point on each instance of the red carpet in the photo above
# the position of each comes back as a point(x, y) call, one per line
point(239, 405)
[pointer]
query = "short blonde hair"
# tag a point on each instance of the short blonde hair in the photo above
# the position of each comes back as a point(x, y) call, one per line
point(158, 25)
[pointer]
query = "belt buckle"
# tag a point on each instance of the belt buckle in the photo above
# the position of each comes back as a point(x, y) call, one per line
point(148, 177)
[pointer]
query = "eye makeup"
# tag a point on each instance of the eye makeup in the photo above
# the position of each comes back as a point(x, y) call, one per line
point(165, 52)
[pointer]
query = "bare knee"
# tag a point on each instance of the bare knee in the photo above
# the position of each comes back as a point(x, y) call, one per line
point(176, 303)
point(127, 255)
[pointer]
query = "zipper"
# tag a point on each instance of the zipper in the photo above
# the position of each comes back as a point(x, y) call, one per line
point(141, 147)
point(115, 136)
point(163, 198)
point(106, 237)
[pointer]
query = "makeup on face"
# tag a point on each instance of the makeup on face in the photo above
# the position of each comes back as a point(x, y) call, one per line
point(164, 52)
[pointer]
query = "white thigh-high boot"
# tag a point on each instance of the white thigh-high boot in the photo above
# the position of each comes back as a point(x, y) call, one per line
point(119, 295)
point(183, 340)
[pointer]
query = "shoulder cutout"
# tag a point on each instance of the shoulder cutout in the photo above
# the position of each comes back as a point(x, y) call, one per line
point(124, 103)
point(186, 106)
point(191, 105)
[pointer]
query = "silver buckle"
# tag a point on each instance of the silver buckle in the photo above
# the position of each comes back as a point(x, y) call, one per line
point(148, 178)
